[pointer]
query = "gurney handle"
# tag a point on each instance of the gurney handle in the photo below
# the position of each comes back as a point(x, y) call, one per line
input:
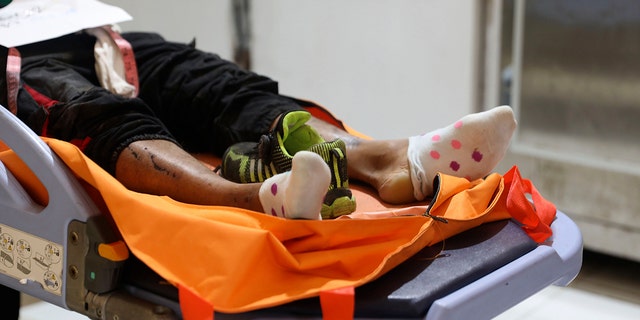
point(33, 151)
point(72, 221)
point(67, 199)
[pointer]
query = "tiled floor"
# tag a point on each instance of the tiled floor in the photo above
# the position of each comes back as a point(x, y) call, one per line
point(606, 288)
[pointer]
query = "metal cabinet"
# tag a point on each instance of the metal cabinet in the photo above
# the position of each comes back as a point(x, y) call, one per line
point(571, 70)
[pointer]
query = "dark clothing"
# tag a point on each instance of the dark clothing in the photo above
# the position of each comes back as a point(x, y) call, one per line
point(187, 96)
point(10, 303)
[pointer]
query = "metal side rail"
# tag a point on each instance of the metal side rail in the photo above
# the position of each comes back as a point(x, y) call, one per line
point(557, 262)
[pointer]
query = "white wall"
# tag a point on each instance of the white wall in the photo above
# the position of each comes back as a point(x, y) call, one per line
point(209, 21)
point(389, 68)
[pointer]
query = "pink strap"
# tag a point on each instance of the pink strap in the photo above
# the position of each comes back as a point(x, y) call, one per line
point(13, 78)
point(129, 59)
point(14, 64)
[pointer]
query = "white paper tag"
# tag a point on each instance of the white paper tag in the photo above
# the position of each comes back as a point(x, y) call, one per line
point(28, 21)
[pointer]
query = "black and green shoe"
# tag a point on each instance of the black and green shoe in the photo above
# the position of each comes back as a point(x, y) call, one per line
point(248, 162)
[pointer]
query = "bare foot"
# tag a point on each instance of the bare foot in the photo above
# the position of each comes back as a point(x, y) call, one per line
point(382, 164)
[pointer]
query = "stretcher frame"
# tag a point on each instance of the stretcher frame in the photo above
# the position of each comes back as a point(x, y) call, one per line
point(72, 226)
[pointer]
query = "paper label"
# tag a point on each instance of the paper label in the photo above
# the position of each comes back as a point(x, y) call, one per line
point(28, 21)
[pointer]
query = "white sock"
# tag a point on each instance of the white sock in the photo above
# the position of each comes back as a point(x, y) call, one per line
point(469, 148)
point(299, 193)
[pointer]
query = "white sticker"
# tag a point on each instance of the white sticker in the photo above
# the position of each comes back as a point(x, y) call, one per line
point(27, 257)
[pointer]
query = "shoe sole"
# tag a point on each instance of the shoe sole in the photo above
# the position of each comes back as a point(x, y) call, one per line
point(340, 207)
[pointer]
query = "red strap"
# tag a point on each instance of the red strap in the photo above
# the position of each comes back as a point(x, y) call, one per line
point(535, 218)
point(129, 59)
point(43, 101)
point(193, 307)
point(13, 78)
point(338, 304)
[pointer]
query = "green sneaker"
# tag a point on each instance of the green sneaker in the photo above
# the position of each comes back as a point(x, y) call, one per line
point(248, 162)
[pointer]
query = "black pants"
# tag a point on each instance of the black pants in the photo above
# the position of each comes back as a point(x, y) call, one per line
point(187, 96)
point(10, 302)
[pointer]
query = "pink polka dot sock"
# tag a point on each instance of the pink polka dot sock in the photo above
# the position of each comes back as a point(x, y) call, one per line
point(469, 148)
point(299, 193)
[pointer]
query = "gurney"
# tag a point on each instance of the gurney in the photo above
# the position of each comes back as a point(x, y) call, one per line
point(69, 253)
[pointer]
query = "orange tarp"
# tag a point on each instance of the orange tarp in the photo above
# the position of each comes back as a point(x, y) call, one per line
point(239, 260)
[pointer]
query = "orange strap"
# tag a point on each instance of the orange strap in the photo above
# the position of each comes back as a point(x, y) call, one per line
point(193, 307)
point(338, 304)
point(536, 218)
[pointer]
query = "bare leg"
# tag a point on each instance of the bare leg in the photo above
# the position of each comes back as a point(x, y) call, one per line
point(381, 164)
point(163, 168)
point(160, 167)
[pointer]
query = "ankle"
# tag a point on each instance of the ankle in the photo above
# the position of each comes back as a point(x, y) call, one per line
point(397, 189)
point(383, 165)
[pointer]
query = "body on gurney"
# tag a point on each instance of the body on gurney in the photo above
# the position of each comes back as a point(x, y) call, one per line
point(481, 272)
point(193, 101)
